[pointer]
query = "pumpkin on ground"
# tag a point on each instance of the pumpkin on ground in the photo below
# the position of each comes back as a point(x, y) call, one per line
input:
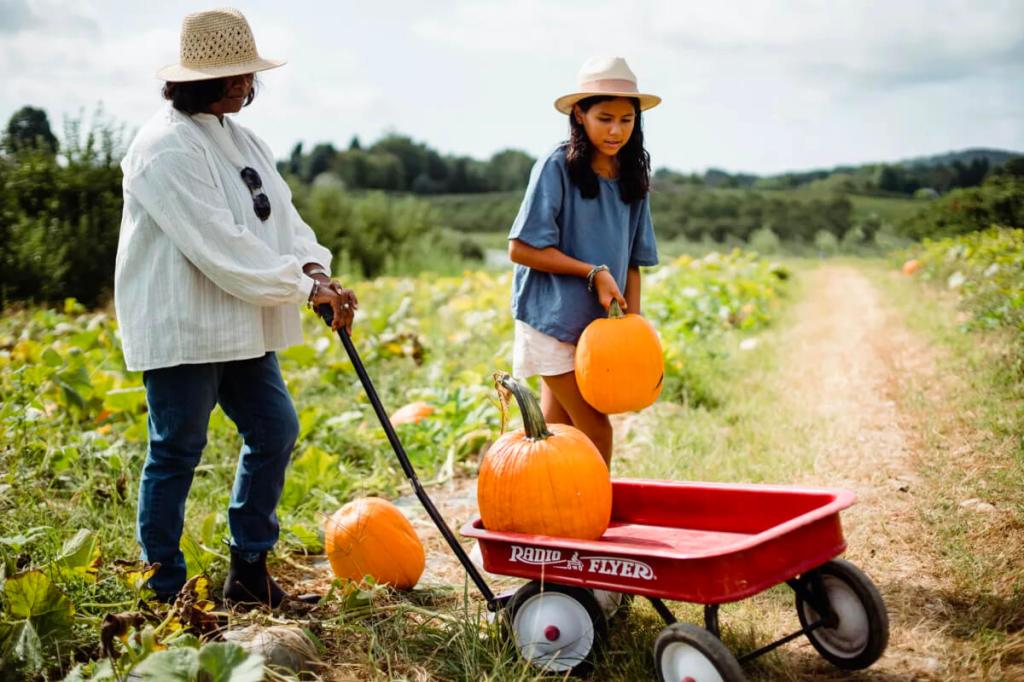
point(619, 363)
point(911, 266)
point(543, 479)
point(371, 537)
point(413, 413)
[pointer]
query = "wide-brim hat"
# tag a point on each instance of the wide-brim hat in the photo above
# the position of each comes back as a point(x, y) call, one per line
point(216, 44)
point(609, 76)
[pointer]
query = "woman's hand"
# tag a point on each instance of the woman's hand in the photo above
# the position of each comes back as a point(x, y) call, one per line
point(607, 290)
point(343, 302)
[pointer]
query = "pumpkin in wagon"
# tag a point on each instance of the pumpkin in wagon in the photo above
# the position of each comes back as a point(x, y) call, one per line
point(371, 537)
point(619, 363)
point(543, 479)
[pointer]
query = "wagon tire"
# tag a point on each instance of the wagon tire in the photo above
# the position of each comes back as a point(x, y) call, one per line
point(684, 651)
point(861, 632)
point(556, 628)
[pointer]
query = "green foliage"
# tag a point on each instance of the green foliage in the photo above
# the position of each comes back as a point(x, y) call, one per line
point(29, 129)
point(987, 270)
point(998, 201)
point(59, 216)
point(398, 163)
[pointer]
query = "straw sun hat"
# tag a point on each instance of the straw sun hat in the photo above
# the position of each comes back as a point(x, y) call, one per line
point(609, 76)
point(216, 44)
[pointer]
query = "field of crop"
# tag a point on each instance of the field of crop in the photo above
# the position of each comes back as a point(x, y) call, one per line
point(73, 426)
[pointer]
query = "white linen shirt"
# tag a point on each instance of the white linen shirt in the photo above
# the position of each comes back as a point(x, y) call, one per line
point(199, 277)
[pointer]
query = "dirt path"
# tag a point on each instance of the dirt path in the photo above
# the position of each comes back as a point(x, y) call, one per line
point(846, 359)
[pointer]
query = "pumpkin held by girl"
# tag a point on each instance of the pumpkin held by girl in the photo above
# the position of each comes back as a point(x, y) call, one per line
point(619, 365)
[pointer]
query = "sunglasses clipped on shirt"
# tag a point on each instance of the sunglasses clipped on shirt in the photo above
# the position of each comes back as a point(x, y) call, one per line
point(260, 201)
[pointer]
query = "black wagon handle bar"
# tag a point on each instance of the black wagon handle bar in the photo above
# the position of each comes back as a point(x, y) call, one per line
point(382, 416)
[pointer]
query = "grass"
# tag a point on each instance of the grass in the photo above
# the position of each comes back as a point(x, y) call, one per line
point(971, 412)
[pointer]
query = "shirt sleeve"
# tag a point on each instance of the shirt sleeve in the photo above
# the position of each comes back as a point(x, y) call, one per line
point(644, 250)
point(537, 221)
point(178, 191)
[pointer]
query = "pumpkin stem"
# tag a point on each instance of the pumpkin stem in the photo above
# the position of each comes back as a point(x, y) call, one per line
point(533, 418)
point(614, 310)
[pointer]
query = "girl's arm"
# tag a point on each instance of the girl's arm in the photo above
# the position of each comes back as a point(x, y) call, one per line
point(550, 259)
point(633, 289)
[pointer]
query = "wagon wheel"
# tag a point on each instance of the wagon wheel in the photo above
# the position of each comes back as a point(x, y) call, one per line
point(555, 627)
point(861, 630)
point(685, 652)
point(615, 605)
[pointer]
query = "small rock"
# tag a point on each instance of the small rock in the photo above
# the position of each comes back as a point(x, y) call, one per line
point(282, 646)
point(977, 505)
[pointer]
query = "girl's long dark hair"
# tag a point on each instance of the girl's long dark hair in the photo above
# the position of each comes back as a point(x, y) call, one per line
point(195, 97)
point(634, 161)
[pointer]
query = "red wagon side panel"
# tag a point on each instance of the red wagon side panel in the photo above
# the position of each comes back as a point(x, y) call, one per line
point(696, 542)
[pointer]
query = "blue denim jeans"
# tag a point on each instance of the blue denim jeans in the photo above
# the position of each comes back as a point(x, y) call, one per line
point(253, 395)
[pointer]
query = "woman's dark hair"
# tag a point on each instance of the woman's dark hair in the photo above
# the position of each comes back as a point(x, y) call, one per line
point(634, 161)
point(195, 97)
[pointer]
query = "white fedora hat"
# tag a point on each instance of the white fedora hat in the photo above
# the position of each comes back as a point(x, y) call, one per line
point(609, 76)
point(216, 44)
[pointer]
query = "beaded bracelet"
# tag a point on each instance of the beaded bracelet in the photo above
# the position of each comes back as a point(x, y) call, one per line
point(593, 273)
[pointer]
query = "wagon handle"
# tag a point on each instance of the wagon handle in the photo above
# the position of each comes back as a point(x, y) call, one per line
point(327, 314)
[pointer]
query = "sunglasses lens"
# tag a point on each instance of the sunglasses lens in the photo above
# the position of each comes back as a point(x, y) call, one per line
point(251, 178)
point(261, 204)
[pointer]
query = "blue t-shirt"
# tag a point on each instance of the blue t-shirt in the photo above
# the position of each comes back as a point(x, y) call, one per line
point(603, 230)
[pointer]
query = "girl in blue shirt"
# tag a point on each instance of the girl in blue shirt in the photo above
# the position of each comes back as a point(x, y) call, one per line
point(581, 235)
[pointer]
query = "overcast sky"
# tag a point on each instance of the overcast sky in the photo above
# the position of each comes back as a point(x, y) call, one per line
point(747, 86)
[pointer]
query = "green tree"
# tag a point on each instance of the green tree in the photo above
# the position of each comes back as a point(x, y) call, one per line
point(29, 128)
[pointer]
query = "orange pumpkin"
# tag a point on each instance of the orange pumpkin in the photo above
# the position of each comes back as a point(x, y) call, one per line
point(545, 480)
point(371, 537)
point(619, 363)
point(911, 266)
point(413, 413)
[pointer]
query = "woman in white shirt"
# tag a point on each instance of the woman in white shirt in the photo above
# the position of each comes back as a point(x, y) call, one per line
point(213, 262)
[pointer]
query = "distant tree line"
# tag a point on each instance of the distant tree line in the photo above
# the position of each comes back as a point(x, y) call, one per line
point(999, 200)
point(399, 164)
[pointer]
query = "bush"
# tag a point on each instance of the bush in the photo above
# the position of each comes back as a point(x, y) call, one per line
point(765, 241)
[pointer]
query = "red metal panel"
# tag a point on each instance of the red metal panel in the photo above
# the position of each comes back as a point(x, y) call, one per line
point(696, 542)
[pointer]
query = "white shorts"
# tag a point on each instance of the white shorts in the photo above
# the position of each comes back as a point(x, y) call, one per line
point(534, 352)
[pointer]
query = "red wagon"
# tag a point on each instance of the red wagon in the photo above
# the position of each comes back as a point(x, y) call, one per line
point(697, 542)
point(702, 543)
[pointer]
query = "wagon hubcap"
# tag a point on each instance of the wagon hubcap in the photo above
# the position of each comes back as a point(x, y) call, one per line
point(680, 661)
point(850, 634)
point(553, 631)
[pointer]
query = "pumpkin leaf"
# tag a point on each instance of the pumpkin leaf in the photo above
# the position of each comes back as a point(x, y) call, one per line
point(20, 647)
point(228, 662)
point(16, 542)
point(81, 554)
point(52, 358)
point(32, 596)
point(125, 399)
point(170, 665)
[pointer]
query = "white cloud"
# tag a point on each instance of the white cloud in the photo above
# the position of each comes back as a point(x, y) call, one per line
point(762, 86)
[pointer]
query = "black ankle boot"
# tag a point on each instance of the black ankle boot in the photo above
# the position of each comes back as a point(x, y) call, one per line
point(250, 583)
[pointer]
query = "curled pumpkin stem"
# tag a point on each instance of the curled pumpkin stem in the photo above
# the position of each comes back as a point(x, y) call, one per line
point(533, 417)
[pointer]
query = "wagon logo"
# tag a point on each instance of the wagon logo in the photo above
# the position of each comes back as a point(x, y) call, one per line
point(625, 568)
point(602, 565)
point(536, 556)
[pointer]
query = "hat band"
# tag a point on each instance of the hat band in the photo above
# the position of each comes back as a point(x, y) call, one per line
point(608, 85)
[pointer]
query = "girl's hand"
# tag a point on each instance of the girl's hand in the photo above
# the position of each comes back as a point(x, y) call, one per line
point(608, 290)
point(343, 304)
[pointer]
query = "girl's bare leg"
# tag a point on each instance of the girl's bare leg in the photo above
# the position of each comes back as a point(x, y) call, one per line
point(566, 393)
